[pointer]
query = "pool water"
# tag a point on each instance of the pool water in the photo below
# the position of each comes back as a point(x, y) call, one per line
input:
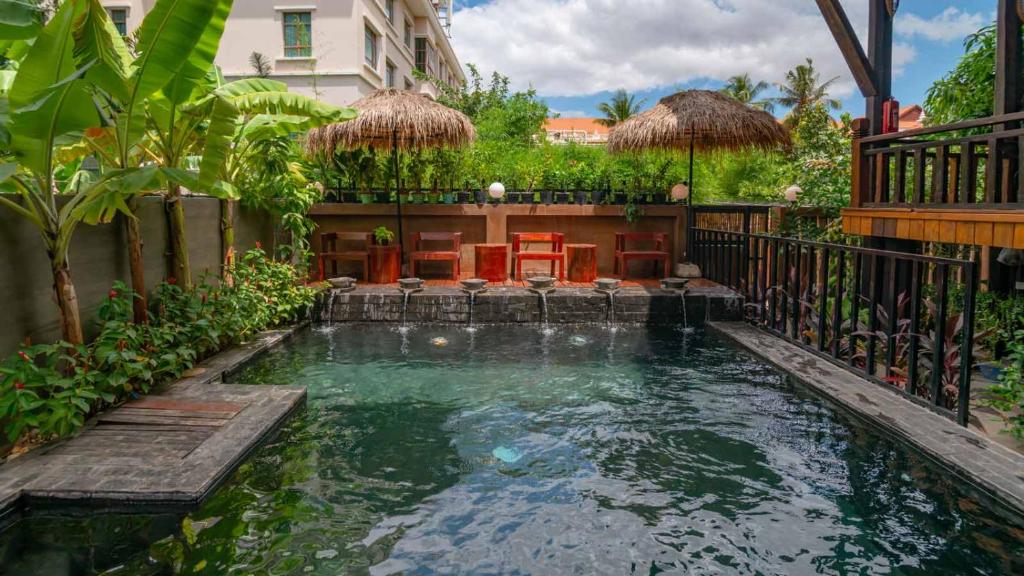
point(510, 451)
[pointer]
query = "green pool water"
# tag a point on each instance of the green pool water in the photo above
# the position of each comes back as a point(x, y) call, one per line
point(511, 451)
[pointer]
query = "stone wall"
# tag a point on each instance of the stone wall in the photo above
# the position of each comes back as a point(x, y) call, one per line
point(518, 305)
point(98, 258)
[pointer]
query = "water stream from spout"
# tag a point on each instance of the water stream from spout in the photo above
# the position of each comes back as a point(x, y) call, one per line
point(405, 306)
point(545, 329)
point(327, 309)
point(610, 316)
point(472, 303)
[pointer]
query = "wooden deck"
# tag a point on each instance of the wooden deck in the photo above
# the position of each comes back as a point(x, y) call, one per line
point(171, 448)
point(993, 228)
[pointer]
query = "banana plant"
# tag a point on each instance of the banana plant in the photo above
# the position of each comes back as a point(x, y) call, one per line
point(254, 112)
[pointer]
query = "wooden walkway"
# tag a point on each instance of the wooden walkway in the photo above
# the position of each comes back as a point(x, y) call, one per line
point(173, 447)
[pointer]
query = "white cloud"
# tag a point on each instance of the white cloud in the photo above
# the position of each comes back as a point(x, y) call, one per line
point(579, 47)
point(949, 25)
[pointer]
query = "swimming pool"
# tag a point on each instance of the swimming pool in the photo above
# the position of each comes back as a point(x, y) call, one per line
point(512, 451)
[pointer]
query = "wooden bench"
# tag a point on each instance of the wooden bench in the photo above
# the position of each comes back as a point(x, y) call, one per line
point(626, 251)
point(454, 255)
point(556, 255)
point(329, 251)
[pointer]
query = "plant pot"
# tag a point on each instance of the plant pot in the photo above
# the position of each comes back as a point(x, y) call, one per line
point(366, 198)
point(382, 197)
point(481, 197)
point(546, 196)
point(620, 199)
point(579, 197)
point(561, 197)
point(347, 197)
point(526, 197)
point(597, 196)
point(417, 198)
point(991, 370)
point(448, 198)
point(465, 197)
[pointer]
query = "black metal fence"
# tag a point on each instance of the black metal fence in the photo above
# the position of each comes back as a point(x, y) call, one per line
point(901, 319)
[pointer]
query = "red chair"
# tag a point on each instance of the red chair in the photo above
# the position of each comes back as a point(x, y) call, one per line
point(623, 255)
point(454, 255)
point(556, 255)
point(329, 251)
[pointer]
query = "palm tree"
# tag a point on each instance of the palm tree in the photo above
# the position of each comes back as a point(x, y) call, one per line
point(745, 90)
point(620, 108)
point(803, 88)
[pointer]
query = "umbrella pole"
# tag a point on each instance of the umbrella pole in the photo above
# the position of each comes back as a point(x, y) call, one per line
point(398, 198)
point(689, 203)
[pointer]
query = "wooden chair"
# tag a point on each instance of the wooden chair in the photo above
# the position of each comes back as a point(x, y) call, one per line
point(556, 255)
point(329, 251)
point(623, 255)
point(454, 255)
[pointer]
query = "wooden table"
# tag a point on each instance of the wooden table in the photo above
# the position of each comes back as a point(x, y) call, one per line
point(385, 264)
point(582, 262)
point(491, 262)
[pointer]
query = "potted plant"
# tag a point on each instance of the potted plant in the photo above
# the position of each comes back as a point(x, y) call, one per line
point(546, 196)
point(597, 196)
point(561, 197)
point(382, 197)
point(580, 196)
point(382, 236)
point(481, 196)
point(449, 197)
point(366, 198)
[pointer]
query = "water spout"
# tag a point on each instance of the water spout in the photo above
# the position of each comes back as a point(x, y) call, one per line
point(609, 286)
point(542, 286)
point(473, 286)
point(338, 286)
point(679, 285)
point(408, 286)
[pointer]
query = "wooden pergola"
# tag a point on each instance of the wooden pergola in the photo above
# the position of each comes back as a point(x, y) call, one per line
point(957, 184)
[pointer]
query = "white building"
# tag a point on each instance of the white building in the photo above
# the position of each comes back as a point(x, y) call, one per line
point(336, 50)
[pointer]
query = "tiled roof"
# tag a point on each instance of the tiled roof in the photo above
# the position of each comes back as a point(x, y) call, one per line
point(588, 125)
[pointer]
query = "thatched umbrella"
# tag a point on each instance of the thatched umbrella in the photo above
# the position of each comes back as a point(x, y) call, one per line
point(400, 120)
point(699, 120)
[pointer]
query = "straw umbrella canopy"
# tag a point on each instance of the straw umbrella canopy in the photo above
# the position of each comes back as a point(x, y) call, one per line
point(397, 119)
point(699, 120)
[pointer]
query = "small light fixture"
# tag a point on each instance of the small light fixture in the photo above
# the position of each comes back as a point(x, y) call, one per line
point(680, 192)
point(496, 191)
point(892, 6)
point(793, 193)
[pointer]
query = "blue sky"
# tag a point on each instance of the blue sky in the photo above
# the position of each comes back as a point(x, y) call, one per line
point(576, 52)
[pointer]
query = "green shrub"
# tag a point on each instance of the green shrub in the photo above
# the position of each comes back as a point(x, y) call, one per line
point(51, 389)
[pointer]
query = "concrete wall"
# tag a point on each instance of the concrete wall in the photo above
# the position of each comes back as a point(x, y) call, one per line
point(338, 42)
point(585, 224)
point(98, 258)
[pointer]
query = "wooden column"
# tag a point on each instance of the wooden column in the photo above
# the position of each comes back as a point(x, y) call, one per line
point(880, 56)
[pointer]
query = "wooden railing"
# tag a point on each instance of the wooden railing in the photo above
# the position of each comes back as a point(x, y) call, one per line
point(969, 165)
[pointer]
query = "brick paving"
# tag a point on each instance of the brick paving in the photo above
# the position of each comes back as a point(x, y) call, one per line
point(173, 447)
point(978, 460)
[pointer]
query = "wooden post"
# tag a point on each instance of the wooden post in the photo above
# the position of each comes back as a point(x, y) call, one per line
point(860, 188)
point(880, 57)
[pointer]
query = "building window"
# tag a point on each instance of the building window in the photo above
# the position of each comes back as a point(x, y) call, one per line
point(389, 75)
point(408, 84)
point(421, 54)
point(119, 16)
point(408, 34)
point(389, 10)
point(298, 34)
point(371, 48)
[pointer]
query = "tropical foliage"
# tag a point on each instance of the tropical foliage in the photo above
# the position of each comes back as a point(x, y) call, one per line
point(620, 108)
point(747, 91)
point(49, 390)
point(804, 89)
point(967, 91)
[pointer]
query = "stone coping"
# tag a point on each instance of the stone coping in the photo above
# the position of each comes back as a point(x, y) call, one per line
point(990, 469)
point(169, 449)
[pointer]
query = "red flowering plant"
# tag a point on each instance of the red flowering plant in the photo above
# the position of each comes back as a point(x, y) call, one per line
point(41, 389)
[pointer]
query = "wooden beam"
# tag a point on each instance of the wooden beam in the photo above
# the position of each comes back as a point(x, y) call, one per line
point(849, 45)
point(1009, 68)
point(880, 57)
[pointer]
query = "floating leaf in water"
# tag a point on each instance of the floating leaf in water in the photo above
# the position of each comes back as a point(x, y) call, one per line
point(440, 341)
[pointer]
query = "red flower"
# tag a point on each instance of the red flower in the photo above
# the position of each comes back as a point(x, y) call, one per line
point(24, 357)
point(19, 385)
point(112, 294)
point(172, 280)
point(203, 298)
point(259, 245)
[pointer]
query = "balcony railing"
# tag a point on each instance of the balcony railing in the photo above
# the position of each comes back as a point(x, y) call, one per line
point(969, 165)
